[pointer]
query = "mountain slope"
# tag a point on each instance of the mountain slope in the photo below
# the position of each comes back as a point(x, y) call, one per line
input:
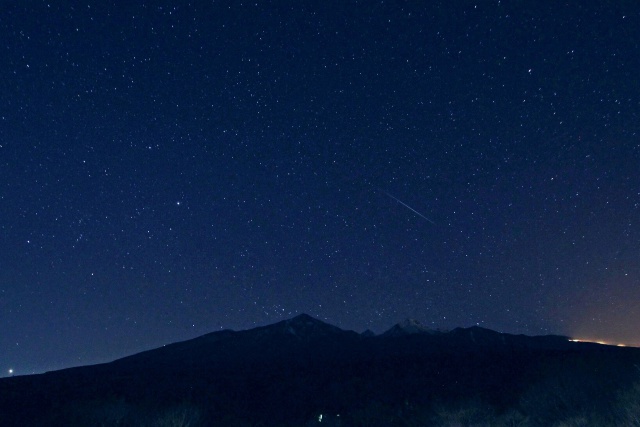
point(289, 372)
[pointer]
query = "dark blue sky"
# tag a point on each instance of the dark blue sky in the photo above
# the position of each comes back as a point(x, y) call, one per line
point(171, 169)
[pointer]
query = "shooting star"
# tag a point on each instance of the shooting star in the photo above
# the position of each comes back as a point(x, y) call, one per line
point(407, 206)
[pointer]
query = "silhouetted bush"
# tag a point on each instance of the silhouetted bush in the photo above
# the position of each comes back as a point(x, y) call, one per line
point(628, 406)
point(471, 413)
point(184, 415)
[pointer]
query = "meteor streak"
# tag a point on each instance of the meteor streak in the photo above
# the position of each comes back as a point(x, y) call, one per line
point(408, 207)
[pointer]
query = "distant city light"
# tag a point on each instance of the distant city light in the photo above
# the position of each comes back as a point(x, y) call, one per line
point(599, 342)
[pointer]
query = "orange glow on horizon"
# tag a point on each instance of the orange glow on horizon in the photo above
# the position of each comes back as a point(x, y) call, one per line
point(602, 342)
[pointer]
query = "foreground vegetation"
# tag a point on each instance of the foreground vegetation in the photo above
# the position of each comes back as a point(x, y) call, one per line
point(555, 406)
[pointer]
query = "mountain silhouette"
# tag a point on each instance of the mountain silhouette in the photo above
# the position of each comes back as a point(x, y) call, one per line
point(302, 370)
point(408, 327)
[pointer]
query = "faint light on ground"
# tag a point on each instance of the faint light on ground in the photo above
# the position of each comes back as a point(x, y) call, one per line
point(600, 342)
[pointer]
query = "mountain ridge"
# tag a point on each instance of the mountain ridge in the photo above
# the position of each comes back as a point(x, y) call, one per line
point(286, 373)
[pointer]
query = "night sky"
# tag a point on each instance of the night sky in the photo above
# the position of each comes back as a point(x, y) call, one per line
point(171, 169)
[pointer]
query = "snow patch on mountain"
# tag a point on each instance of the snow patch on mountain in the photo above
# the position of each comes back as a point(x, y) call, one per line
point(409, 327)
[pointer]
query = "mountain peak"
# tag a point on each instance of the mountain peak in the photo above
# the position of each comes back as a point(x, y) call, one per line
point(408, 327)
point(303, 318)
point(305, 322)
point(302, 326)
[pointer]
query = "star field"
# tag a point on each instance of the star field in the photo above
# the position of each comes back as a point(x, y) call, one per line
point(172, 169)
